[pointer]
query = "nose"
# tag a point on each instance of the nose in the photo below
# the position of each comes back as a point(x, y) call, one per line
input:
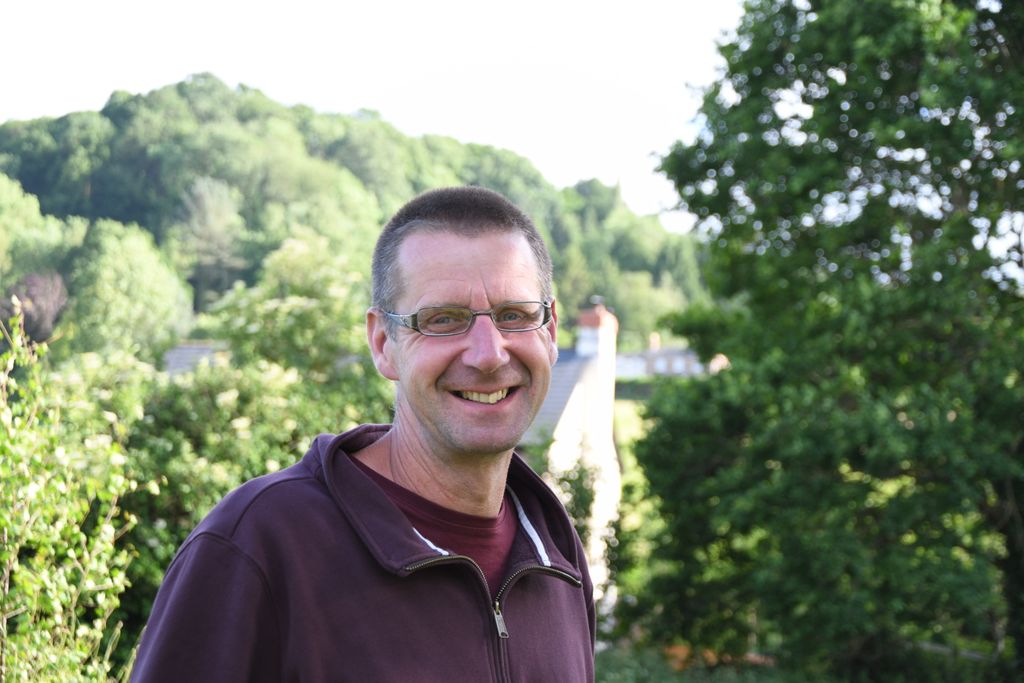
point(486, 347)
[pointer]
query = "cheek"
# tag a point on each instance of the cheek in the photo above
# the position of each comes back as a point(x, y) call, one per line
point(427, 363)
point(547, 341)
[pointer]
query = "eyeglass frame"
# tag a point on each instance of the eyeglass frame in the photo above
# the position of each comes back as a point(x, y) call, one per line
point(409, 320)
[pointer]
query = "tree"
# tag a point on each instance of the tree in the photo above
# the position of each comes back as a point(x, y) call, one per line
point(847, 494)
point(33, 249)
point(42, 297)
point(307, 313)
point(123, 295)
point(209, 241)
point(600, 247)
point(379, 156)
point(29, 241)
point(56, 158)
point(639, 306)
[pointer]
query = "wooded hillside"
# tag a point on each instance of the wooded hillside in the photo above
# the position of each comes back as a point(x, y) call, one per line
point(178, 194)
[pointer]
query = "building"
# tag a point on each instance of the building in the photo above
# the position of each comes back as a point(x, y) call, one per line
point(658, 361)
point(191, 353)
point(576, 424)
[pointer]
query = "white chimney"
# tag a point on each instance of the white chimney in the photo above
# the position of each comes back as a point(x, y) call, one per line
point(595, 333)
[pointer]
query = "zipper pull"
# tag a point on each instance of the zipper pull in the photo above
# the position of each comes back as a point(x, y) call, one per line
point(499, 621)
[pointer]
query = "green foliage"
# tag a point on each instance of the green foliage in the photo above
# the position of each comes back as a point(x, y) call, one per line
point(578, 486)
point(60, 518)
point(56, 158)
point(124, 296)
point(622, 665)
point(380, 156)
point(200, 436)
point(307, 312)
point(638, 529)
point(614, 665)
point(208, 244)
point(19, 213)
point(846, 496)
point(29, 241)
point(640, 305)
point(642, 272)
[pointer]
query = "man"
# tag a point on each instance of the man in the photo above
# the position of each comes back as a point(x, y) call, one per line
point(425, 550)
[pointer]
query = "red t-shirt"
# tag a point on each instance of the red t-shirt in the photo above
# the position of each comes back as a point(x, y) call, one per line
point(487, 540)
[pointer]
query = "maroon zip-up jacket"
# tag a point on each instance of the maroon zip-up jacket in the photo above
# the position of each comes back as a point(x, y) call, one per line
point(312, 574)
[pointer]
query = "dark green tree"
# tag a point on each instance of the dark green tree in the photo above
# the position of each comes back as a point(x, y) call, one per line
point(56, 159)
point(147, 171)
point(848, 494)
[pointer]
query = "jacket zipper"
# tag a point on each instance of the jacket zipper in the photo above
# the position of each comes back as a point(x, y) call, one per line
point(499, 619)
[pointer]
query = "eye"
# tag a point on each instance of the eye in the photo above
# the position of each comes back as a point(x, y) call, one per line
point(519, 315)
point(510, 315)
point(442, 319)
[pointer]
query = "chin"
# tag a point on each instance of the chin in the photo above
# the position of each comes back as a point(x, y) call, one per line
point(485, 447)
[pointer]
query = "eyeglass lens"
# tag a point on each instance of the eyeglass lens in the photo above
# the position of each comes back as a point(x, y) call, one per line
point(511, 317)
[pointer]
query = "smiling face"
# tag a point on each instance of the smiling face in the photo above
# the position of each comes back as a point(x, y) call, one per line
point(476, 393)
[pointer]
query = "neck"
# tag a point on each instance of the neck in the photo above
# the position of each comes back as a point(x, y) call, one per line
point(471, 484)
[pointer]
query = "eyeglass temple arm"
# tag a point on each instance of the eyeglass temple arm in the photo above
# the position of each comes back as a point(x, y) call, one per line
point(407, 320)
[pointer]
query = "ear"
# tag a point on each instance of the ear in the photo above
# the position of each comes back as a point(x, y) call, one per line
point(382, 347)
point(552, 331)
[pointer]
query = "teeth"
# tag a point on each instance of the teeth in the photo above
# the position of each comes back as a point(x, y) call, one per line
point(484, 398)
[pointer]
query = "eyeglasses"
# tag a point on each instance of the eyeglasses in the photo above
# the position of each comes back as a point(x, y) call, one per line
point(447, 321)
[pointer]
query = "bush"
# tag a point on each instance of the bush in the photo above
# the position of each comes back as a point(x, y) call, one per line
point(617, 665)
point(642, 665)
point(60, 520)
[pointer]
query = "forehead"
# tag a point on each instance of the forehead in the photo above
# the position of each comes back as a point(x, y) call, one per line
point(439, 267)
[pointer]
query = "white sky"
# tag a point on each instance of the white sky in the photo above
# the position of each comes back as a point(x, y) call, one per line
point(582, 89)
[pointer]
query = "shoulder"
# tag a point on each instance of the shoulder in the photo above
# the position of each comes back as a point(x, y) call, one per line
point(254, 497)
point(268, 512)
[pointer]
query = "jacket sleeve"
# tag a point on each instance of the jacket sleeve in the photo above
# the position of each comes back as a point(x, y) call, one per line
point(213, 619)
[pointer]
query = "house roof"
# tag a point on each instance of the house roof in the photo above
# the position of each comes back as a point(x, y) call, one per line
point(187, 355)
point(565, 375)
point(598, 316)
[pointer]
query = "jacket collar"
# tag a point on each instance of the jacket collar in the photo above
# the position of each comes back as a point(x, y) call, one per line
point(392, 540)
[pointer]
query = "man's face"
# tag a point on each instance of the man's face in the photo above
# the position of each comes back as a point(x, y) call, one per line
point(475, 393)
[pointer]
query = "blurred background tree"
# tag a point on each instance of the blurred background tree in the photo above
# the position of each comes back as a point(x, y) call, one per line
point(847, 496)
point(123, 295)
